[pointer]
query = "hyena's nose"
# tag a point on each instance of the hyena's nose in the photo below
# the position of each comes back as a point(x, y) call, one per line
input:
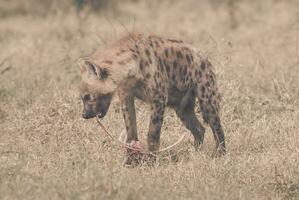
point(86, 115)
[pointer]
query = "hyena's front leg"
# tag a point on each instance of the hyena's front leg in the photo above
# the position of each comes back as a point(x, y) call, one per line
point(128, 110)
point(134, 156)
point(157, 112)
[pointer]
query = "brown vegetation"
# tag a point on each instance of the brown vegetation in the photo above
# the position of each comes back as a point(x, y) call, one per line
point(47, 151)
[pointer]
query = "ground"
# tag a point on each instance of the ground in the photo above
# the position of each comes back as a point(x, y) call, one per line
point(47, 151)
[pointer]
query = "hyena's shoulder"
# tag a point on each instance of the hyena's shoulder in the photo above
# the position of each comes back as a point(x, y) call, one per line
point(167, 45)
point(164, 54)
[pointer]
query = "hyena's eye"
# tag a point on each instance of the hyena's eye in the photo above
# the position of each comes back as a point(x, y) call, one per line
point(86, 97)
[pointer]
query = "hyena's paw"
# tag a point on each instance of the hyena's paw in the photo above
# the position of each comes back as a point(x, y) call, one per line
point(134, 155)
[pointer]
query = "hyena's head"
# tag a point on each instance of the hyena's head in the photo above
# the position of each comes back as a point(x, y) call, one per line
point(96, 89)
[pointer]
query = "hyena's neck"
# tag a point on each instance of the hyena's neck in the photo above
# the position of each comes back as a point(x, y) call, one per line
point(124, 70)
point(121, 59)
point(125, 64)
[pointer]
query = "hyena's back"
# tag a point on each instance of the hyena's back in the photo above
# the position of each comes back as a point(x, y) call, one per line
point(177, 70)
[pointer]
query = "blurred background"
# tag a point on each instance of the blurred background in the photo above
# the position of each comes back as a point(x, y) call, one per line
point(48, 152)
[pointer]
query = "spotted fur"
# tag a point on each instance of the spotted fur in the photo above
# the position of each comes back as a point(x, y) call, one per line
point(161, 72)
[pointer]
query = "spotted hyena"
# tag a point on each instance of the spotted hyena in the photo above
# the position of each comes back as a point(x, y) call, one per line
point(161, 72)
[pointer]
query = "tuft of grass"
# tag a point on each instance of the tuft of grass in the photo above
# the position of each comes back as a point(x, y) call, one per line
point(47, 151)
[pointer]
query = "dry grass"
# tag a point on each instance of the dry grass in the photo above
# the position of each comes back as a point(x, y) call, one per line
point(48, 152)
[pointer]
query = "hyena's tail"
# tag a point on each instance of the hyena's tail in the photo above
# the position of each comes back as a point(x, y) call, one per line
point(209, 100)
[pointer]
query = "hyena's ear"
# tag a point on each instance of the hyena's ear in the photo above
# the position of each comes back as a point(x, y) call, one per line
point(87, 66)
point(104, 73)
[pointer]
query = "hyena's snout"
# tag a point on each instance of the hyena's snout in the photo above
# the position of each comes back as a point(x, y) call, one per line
point(98, 107)
point(88, 112)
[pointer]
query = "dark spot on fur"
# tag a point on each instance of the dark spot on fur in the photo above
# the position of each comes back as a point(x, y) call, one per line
point(108, 62)
point(157, 44)
point(145, 63)
point(167, 68)
point(213, 111)
point(210, 100)
point(104, 73)
point(181, 70)
point(135, 56)
point(155, 78)
point(166, 53)
point(161, 64)
point(201, 104)
point(159, 67)
point(188, 59)
point(173, 76)
point(185, 70)
point(149, 60)
point(175, 41)
point(212, 79)
point(147, 52)
point(121, 62)
point(175, 64)
point(172, 50)
point(147, 76)
point(120, 52)
point(203, 65)
point(199, 74)
point(191, 57)
point(179, 54)
point(186, 79)
point(203, 89)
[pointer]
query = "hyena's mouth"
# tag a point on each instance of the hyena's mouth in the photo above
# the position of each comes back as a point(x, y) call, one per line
point(101, 115)
point(102, 112)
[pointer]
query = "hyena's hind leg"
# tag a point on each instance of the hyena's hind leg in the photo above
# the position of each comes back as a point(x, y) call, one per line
point(156, 121)
point(209, 109)
point(188, 117)
point(209, 99)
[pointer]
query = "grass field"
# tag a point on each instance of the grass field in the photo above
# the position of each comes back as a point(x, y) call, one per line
point(47, 151)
